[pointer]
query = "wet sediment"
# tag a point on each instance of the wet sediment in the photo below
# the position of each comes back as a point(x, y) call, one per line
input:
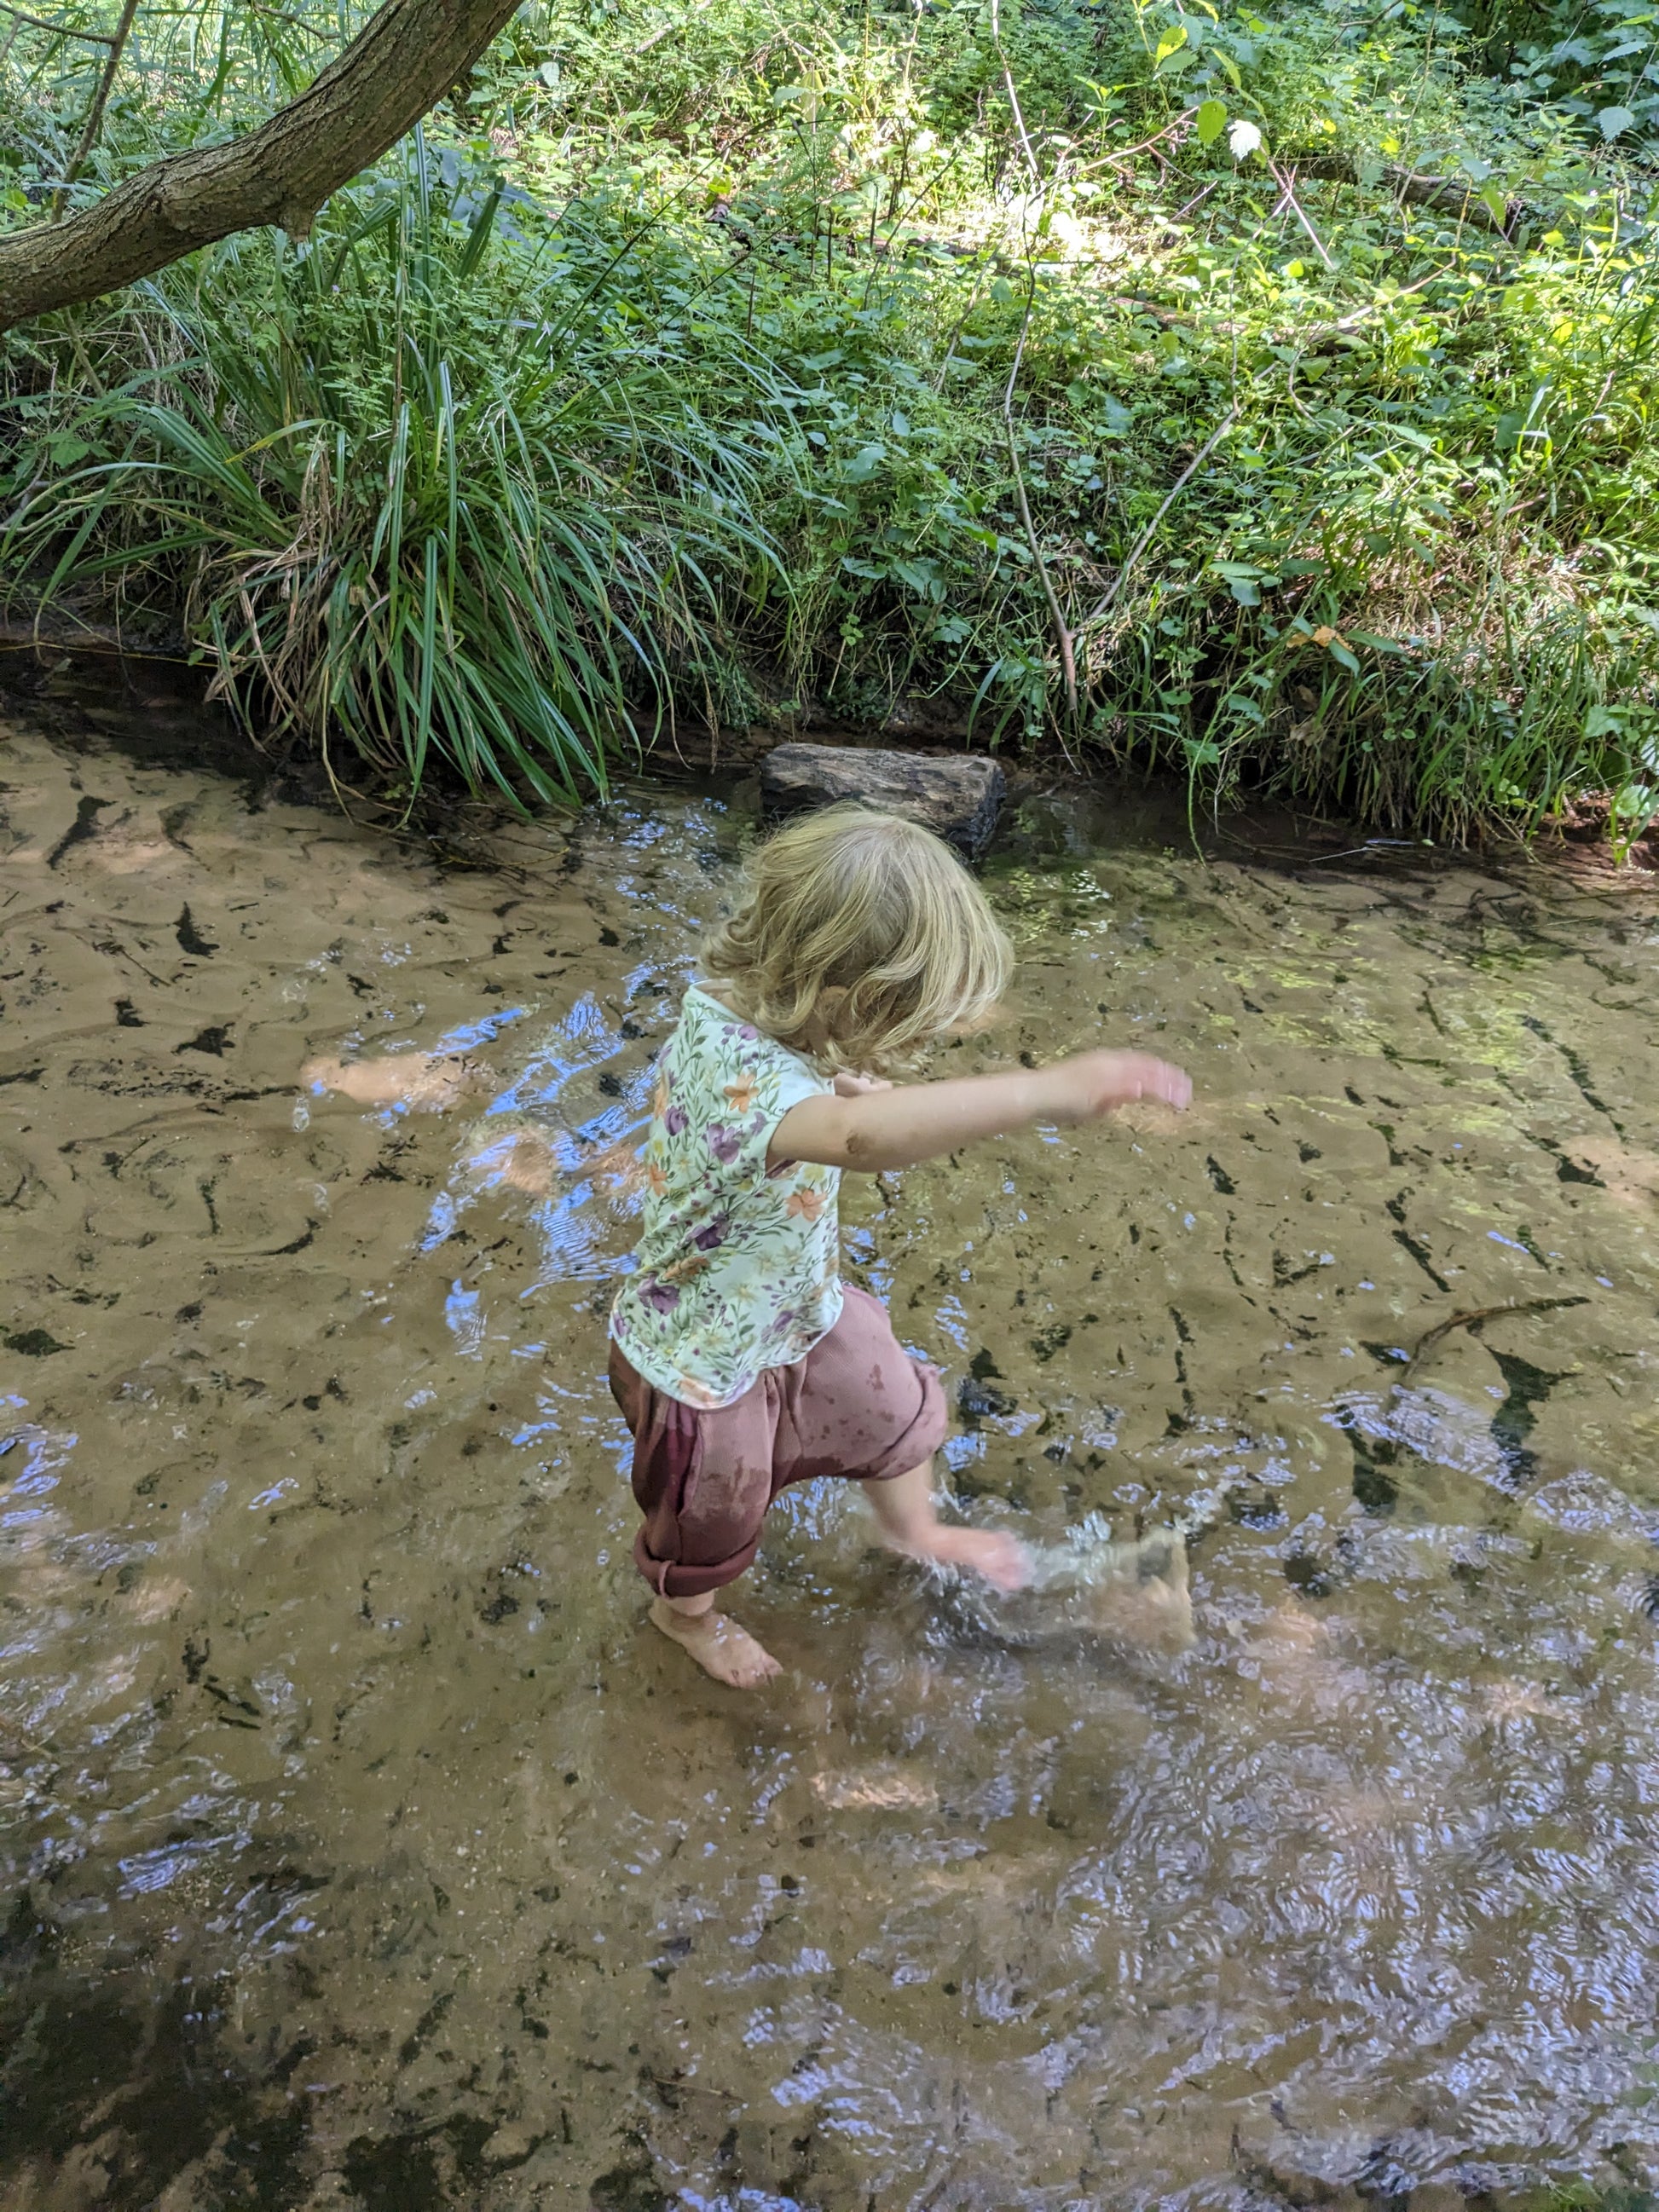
point(363, 1849)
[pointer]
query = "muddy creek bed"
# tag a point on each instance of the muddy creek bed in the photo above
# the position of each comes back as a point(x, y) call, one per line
point(363, 1850)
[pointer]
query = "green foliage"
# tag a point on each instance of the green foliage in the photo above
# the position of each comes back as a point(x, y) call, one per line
point(1597, 60)
point(736, 356)
point(401, 502)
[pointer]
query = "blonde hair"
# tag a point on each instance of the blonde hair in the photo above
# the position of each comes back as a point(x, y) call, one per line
point(860, 939)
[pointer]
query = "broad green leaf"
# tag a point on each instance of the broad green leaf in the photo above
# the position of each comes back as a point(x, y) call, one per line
point(1613, 120)
point(923, 578)
point(1170, 43)
point(1116, 416)
point(1210, 122)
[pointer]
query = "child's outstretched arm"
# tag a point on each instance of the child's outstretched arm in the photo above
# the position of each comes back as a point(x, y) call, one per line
point(896, 1128)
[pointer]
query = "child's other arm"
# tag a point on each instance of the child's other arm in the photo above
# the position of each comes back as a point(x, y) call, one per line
point(432, 1080)
point(896, 1129)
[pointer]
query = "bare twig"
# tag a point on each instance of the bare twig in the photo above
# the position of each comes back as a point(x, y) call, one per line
point(58, 30)
point(95, 113)
point(1062, 631)
point(282, 15)
point(1479, 1314)
point(1286, 179)
point(1171, 133)
point(1013, 96)
point(1197, 200)
point(956, 330)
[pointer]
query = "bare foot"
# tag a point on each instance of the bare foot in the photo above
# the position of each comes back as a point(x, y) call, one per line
point(1002, 1559)
point(719, 1647)
point(1153, 1604)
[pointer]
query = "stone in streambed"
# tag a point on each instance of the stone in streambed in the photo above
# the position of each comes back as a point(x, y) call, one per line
point(959, 799)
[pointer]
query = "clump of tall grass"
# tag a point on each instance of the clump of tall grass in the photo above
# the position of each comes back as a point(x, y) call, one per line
point(415, 494)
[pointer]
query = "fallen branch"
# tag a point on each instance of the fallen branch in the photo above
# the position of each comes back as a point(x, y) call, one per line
point(1456, 195)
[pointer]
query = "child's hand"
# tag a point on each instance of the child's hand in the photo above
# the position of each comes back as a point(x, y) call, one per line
point(528, 1163)
point(849, 1085)
point(1094, 1083)
point(404, 1079)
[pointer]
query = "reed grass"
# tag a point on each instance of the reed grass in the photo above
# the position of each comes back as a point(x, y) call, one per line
point(402, 508)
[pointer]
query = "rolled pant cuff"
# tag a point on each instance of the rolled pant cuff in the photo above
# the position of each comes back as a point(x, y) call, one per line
point(682, 1578)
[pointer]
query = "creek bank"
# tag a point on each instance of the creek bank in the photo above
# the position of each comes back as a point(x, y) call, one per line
point(150, 706)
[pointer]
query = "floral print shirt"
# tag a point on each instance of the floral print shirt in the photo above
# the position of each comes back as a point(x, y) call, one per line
point(738, 1268)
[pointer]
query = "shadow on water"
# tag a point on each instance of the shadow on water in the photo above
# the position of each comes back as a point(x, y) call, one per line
point(363, 1849)
point(117, 2090)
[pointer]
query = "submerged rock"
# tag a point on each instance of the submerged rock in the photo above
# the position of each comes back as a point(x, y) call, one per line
point(959, 799)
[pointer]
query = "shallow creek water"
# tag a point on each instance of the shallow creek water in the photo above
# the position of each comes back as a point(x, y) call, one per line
point(365, 1849)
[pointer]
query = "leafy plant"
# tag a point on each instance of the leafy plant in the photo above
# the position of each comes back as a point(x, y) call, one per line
point(1266, 396)
point(401, 513)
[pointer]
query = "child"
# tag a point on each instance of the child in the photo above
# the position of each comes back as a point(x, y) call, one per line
point(739, 1359)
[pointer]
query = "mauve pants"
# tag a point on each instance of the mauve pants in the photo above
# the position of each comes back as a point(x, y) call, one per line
point(857, 1405)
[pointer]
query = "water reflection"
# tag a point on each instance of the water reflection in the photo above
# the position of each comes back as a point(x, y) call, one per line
point(363, 1852)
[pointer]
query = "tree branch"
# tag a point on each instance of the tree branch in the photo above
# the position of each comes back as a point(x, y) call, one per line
point(406, 58)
